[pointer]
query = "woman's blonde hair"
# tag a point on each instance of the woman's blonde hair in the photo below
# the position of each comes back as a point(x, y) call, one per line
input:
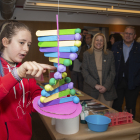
point(93, 40)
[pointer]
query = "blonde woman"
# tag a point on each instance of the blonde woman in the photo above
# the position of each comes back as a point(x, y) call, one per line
point(98, 69)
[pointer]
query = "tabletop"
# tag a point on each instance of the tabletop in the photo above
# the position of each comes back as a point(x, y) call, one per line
point(129, 131)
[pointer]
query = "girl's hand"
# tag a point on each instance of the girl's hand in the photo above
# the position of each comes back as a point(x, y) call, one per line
point(32, 69)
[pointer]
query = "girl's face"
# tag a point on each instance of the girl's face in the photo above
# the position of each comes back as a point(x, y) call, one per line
point(112, 40)
point(18, 48)
point(99, 42)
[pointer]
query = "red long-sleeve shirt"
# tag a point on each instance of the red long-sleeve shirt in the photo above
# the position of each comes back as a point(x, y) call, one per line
point(15, 119)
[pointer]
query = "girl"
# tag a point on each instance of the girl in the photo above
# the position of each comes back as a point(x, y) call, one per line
point(98, 69)
point(17, 91)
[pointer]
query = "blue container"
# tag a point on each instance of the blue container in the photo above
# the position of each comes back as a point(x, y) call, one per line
point(98, 123)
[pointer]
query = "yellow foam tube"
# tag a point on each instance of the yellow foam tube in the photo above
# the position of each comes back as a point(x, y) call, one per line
point(53, 59)
point(46, 32)
point(50, 98)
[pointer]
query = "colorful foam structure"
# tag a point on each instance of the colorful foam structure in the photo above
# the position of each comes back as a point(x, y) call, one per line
point(53, 101)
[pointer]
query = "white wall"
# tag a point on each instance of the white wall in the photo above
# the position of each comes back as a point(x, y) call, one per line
point(29, 15)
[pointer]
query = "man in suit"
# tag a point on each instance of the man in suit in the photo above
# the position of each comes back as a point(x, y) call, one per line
point(88, 40)
point(76, 76)
point(127, 63)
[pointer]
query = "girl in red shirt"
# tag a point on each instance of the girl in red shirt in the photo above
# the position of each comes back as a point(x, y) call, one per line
point(18, 87)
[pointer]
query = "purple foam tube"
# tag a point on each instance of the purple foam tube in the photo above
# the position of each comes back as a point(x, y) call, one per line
point(63, 87)
point(75, 100)
point(76, 36)
point(53, 102)
point(72, 49)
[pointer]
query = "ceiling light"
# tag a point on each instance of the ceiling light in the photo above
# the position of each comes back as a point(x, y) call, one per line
point(124, 11)
point(70, 6)
point(85, 7)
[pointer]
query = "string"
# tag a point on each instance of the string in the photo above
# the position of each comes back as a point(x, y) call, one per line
point(57, 20)
point(58, 10)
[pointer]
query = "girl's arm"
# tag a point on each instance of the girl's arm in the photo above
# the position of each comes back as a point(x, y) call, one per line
point(26, 70)
point(7, 82)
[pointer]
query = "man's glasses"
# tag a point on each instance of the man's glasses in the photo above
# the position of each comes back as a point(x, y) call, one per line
point(129, 33)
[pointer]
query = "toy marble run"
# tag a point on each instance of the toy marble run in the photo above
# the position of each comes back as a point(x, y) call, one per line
point(62, 55)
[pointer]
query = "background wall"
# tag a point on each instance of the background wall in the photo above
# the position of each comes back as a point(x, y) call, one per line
point(42, 20)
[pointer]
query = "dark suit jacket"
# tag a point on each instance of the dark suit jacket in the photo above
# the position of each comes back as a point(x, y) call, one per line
point(91, 78)
point(83, 49)
point(134, 63)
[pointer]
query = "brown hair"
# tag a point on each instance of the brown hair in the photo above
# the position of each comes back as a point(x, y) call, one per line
point(93, 40)
point(10, 28)
point(131, 27)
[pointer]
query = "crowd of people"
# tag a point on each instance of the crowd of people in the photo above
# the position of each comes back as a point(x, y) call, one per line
point(110, 70)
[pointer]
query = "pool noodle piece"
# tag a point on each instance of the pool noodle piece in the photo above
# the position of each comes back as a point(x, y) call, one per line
point(61, 60)
point(63, 87)
point(54, 32)
point(67, 99)
point(59, 83)
point(64, 93)
point(61, 49)
point(64, 109)
point(61, 43)
point(47, 94)
point(60, 88)
point(50, 98)
point(53, 102)
point(61, 55)
point(61, 37)
point(55, 96)
point(56, 86)
point(55, 64)
point(56, 101)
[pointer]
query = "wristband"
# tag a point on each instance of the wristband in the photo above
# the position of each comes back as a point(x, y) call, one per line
point(15, 75)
